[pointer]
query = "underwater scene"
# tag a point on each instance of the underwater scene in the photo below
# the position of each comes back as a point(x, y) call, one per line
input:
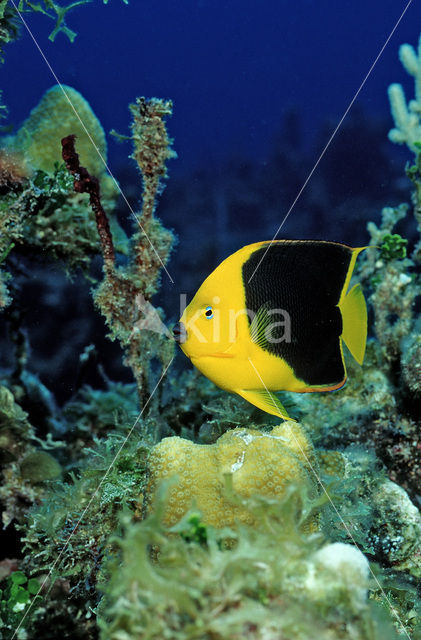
point(210, 320)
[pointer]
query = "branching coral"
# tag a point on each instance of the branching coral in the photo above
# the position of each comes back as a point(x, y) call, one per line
point(407, 116)
point(50, 8)
point(408, 124)
point(125, 291)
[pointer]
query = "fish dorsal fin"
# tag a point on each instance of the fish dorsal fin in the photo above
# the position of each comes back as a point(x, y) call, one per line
point(265, 400)
point(354, 322)
point(260, 324)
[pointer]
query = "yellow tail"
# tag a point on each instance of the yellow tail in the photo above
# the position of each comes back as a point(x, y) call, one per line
point(354, 321)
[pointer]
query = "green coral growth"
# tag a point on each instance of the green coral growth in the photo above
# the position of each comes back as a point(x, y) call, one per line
point(17, 593)
point(193, 529)
point(93, 412)
point(393, 247)
point(57, 13)
point(62, 111)
point(113, 471)
point(43, 212)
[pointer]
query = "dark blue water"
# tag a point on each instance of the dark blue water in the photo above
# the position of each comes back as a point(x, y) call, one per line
point(233, 68)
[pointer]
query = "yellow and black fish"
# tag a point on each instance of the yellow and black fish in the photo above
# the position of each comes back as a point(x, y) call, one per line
point(273, 316)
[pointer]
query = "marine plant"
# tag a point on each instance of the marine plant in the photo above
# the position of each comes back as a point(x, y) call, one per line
point(271, 581)
point(18, 593)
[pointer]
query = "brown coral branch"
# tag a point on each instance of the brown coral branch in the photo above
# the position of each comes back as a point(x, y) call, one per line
point(85, 183)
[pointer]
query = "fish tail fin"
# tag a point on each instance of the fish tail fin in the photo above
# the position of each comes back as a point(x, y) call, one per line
point(354, 320)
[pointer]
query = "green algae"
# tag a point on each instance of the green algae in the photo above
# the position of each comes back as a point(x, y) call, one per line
point(393, 247)
point(17, 594)
point(262, 585)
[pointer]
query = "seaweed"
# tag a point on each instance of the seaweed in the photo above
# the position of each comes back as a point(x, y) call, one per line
point(256, 582)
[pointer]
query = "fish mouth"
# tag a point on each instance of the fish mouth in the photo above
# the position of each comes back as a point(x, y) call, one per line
point(179, 333)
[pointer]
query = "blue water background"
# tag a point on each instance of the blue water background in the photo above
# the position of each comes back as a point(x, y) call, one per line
point(258, 87)
point(232, 68)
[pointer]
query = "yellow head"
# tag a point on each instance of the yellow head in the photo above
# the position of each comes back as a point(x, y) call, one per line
point(209, 324)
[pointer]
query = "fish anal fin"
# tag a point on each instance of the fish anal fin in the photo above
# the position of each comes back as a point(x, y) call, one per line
point(265, 400)
point(354, 321)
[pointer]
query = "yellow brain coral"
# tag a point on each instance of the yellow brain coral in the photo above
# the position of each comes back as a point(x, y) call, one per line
point(259, 463)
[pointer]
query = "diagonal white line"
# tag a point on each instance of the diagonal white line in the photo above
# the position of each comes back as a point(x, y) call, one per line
point(327, 145)
point(347, 529)
point(86, 509)
point(90, 138)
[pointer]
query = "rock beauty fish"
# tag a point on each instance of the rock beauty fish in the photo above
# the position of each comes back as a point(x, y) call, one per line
point(273, 316)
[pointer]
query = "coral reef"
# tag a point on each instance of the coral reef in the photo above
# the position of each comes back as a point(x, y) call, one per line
point(62, 110)
point(395, 284)
point(39, 208)
point(161, 507)
point(254, 462)
point(8, 25)
point(42, 205)
point(407, 116)
point(123, 295)
point(398, 530)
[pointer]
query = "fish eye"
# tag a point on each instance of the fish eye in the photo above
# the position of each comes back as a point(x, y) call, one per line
point(209, 313)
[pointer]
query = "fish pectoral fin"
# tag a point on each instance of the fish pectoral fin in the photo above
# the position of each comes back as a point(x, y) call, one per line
point(265, 400)
point(260, 324)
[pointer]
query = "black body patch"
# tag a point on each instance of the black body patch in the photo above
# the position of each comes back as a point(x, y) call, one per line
point(305, 279)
